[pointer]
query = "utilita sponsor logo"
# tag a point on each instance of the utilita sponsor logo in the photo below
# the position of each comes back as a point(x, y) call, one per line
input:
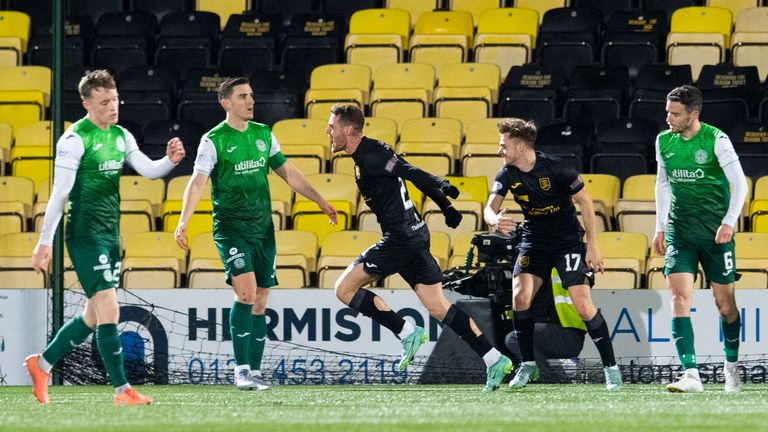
point(250, 165)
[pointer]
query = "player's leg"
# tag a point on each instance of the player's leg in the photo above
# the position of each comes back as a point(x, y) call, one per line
point(720, 267)
point(529, 273)
point(497, 365)
point(241, 325)
point(264, 262)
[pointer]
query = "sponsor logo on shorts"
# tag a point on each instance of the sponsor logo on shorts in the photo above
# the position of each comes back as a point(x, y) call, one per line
point(103, 258)
point(232, 251)
point(726, 273)
point(670, 262)
point(239, 263)
point(236, 257)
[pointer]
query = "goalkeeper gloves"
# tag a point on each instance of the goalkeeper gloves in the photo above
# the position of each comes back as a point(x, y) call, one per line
point(452, 216)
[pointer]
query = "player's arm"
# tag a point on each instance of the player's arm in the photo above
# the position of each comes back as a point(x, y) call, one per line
point(69, 151)
point(174, 153)
point(204, 164)
point(296, 180)
point(729, 162)
point(663, 198)
point(582, 198)
point(492, 214)
point(436, 188)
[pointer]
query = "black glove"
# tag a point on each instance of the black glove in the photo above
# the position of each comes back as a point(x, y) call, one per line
point(452, 217)
point(450, 191)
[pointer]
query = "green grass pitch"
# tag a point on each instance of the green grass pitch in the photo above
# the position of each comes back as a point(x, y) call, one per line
point(369, 408)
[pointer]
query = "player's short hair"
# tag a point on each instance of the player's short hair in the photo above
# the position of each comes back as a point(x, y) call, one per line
point(227, 87)
point(95, 79)
point(520, 129)
point(349, 115)
point(687, 95)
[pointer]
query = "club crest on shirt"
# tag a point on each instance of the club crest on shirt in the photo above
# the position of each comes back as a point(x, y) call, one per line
point(261, 145)
point(120, 144)
point(545, 183)
point(700, 156)
point(524, 261)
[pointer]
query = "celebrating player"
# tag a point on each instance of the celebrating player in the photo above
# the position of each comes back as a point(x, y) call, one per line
point(89, 161)
point(695, 217)
point(404, 248)
point(237, 154)
point(544, 187)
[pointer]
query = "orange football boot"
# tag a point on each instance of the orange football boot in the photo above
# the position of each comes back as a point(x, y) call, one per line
point(39, 378)
point(131, 397)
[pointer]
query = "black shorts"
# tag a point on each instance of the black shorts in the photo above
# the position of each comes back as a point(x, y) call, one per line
point(408, 256)
point(570, 263)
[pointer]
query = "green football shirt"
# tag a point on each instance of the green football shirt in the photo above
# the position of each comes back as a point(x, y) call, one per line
point(699, 188)
point(238, 164)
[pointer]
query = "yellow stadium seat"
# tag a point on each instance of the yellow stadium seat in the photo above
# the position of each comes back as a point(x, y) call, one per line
point(471, 188)
point(751, 20)
point(205, 267)
point(337, 187)
point(308, 158)
point(18, 244)
point(466, 104)
point(440, 248)
point(301, 131)
point(752, 259)
point(540, 6)
point(292, 242)
point(382, 129)
point(470, 76)
point(399, 105)
point(177, 186)
point(481, 160)
point(348, 243)
point(604, 191)
point(415, 8)
point(280, 191)
point(36, 133)
point(483, 131)
point(137, 187)
point(27, 78)
point(761, 188)
point(758, 215)
point(10, 52)
point(751, 49)
point(475, 7)
point(640, 187)
point(703, 19)
point(395, 281)
point(695, 49)
point(366, 220)
point(33, 162)
point(200, 222)
point(21, 189)
point(224, 9)
point(373, 50)
point(14, 24)
point(135, 216)
point(434, 158)
point(13, 218)
point(405, 76)
point(342, 163)
point(330, 268)
point(735, 6)
point(318, 102)
point(751, 245)
point(461, 245)
point(619, 273)
point(342, 76)
point(627, 245)
point(18, 108)
point(434, 130)
point(471, 221)
point(307, 216)
point(388, 21)
point(441, 38)
point(17, 273)
point(636, 216)
point(291, 271)
point(506, 37)
point(153, 260)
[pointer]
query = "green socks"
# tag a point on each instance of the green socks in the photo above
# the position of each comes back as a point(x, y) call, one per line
point(240, 326)
point(70, 335)
point(111, 351)
point(682, 334)
point(258, 340)
point(731, 336)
